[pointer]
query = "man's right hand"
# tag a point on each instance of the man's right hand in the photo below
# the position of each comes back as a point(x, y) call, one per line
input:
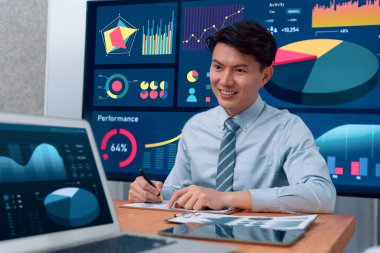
point(141, 191)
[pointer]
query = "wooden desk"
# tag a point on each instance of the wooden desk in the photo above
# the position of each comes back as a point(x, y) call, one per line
point(329, 233)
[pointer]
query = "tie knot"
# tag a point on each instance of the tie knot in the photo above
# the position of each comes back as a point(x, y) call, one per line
point(231, 125)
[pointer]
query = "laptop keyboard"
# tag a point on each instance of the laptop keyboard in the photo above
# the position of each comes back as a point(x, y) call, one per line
point(121, 244)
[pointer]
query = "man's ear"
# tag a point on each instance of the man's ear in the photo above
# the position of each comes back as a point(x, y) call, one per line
point(267, 75)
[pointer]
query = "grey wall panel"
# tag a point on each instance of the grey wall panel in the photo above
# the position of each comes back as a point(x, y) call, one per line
point(365, 211)
point(23, 52)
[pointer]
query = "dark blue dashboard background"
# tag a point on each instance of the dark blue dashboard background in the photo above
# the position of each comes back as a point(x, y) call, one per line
point(170, 117)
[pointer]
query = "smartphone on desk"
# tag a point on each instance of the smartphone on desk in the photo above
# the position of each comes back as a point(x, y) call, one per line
point(237, 233)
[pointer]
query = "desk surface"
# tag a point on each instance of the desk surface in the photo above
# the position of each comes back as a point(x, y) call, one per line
point(329, 233)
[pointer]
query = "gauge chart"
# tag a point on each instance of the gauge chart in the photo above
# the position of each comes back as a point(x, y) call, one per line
point(125, 148)
point(323, 72)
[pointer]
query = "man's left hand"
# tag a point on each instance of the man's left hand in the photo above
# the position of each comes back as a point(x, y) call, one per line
point(196, 197)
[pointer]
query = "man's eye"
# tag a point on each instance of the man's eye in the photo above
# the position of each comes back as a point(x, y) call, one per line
point(241, 70)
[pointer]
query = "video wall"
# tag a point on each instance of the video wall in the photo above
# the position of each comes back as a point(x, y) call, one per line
point(147, 73)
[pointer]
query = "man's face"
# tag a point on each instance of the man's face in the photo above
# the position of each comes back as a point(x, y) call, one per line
point(236, 78)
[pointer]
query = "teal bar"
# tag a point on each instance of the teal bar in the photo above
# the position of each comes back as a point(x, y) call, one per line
point(378, 169)
point(363, 163)
point(151, 39)
point(142, 42)
point(162, 45)
point(159, 47)
point(331, 164)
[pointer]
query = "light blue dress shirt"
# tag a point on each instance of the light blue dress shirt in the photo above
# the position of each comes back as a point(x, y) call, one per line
point(277, 160)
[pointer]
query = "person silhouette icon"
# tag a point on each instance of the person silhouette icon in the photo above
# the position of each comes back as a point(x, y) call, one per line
point(191, 98)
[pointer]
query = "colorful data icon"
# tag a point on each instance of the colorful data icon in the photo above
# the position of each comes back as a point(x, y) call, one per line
point(192, 76)
point(153, 85)
point(153, 94)
point(164, 85)
point(144, 85)
point(164, 94)
point(144, 94)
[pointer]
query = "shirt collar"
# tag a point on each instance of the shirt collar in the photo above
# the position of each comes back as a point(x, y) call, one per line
point(246, 117)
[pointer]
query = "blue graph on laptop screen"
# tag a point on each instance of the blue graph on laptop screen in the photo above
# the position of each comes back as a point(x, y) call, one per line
point(148, 60)
point(48, 181)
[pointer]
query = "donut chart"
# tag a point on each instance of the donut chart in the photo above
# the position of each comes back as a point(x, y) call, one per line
point(117, 86)
point(129, 140)
point(323, 72)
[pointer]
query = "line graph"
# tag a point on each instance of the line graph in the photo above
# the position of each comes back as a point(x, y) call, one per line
point(160, 155)
point(163, 143)
point(208, 19)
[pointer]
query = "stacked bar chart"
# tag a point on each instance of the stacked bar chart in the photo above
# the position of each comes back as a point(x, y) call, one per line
point(158, 39)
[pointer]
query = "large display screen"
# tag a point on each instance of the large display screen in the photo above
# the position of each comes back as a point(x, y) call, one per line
point(147, 73)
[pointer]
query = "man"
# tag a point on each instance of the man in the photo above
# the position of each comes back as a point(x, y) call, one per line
point(264, 159)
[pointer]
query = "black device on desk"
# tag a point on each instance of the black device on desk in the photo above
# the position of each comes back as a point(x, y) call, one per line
point(247, 234)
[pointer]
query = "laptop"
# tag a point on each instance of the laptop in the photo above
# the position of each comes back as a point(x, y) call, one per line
point(54, 195)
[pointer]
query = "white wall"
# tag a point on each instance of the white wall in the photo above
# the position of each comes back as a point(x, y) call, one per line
point(22, 76)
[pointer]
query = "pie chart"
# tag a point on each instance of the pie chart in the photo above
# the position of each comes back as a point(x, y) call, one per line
point(71, 207)
point(192, 76)
point(323, 72)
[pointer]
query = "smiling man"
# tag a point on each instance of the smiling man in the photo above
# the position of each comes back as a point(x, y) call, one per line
point(244, 153)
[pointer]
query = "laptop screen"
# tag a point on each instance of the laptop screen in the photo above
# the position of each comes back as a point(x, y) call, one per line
point(49, 181)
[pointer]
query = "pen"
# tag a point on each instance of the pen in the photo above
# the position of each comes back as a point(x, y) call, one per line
point(149, 181)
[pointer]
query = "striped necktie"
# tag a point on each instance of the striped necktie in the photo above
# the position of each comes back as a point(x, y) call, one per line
point(226, 161)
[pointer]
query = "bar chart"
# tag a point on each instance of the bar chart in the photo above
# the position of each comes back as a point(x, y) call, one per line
point(356, 168)
point(158, 39)
point(352, 150)
point(349, 13)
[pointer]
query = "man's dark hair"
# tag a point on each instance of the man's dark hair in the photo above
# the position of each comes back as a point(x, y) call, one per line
point(248, 37)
